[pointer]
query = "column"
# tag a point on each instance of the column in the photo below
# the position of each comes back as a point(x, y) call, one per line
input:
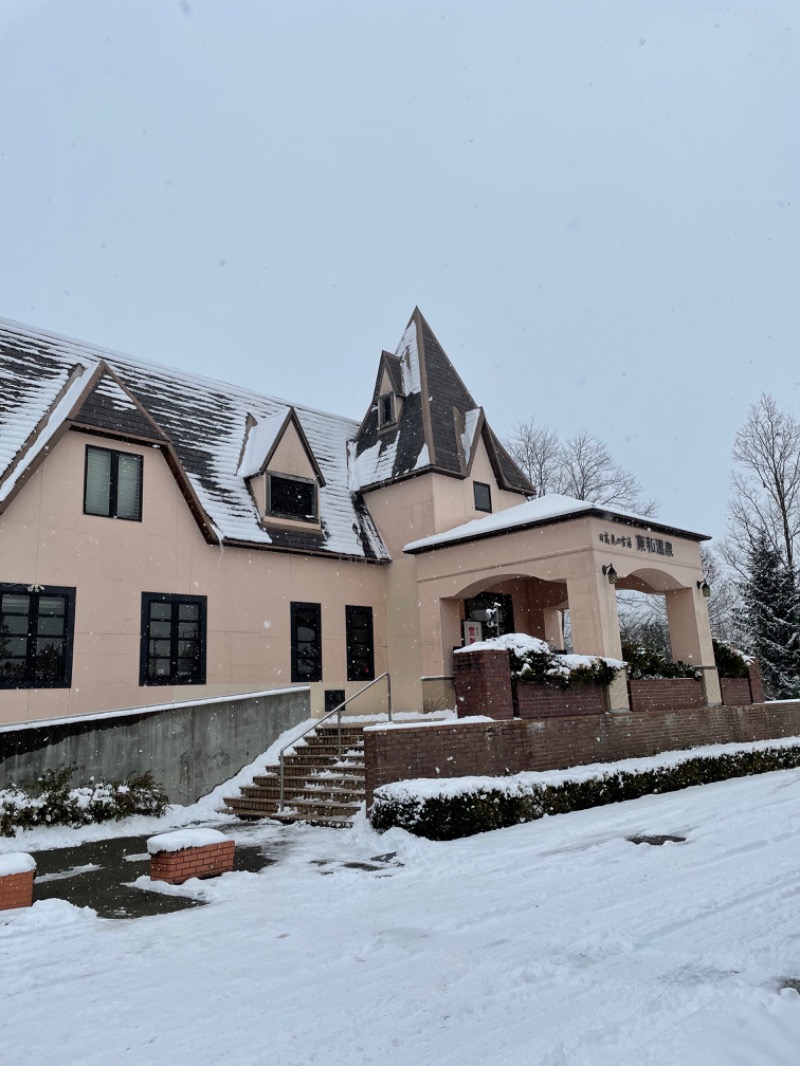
point(690, 637)
point(595, 626)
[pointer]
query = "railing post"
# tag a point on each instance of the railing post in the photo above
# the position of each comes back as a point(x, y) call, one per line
point(339, 724)
point(389, 694)
point(281, 803)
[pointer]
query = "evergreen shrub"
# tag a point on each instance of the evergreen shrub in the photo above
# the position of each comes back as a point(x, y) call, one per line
point(648, 664)
point(730, 662)
point(485, 808)
point(53, 801)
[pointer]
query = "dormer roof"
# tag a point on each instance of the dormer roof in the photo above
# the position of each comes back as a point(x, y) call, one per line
point(262, 439)
point(439, 423)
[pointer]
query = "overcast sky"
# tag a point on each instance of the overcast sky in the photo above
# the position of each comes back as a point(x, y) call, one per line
point(595, 204)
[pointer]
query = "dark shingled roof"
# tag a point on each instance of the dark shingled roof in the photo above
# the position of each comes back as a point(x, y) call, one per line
point(49, 383)
point(437, 423)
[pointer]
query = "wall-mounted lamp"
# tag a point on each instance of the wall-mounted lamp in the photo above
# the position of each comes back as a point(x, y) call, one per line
point(610, 573)
point(705, 588)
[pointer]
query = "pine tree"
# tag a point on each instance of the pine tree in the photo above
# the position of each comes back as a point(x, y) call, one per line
point(771, 617)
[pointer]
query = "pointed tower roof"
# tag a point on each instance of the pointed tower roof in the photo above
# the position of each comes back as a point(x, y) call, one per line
point(438, 422)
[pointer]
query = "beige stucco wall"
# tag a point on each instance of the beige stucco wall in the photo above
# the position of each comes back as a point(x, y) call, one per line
point(46, 539)
point(408, 511)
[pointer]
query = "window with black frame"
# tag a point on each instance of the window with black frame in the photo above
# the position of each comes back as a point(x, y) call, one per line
point(173, 650)
point(306, 642)
point(360, 644)
point(483, 496)
point(291, 497)
point(113, 484)
point(36, 629)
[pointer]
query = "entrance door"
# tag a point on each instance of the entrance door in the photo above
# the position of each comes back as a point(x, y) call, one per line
point(495, 610)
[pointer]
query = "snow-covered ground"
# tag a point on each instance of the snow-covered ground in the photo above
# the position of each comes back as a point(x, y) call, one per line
point(557, 943)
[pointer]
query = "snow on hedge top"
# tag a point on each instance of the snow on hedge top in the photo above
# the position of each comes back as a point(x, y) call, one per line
point(530, 513)
point(16, 862)
point(520, 643)
point(184, 838)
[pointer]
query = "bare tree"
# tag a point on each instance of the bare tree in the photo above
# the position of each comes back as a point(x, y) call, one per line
point(766, 485)
point(581, 466)
point(588, 472)
point(537, 451)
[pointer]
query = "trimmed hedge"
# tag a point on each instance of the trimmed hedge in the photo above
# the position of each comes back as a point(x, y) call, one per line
point(484, 809)
point(648, 664)
point(730, 661)
point(55, 802)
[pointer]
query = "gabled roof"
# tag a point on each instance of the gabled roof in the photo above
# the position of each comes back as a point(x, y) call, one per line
point(439, 422)
point(50, 383)
point(262, 438)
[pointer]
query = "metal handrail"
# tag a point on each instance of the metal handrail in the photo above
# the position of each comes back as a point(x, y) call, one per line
point(336, 711)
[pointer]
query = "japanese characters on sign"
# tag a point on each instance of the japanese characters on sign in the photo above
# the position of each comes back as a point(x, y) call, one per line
point(654, 545)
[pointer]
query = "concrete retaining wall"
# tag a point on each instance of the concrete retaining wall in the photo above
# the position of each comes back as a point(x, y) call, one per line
point(189, 747)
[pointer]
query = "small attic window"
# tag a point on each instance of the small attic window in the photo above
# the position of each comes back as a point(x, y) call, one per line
point(386, 415)
point(291, 497)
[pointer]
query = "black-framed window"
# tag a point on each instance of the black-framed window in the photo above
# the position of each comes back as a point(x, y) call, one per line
point(495, 610)
point(360, 644)
point(173, 648)
point(306, 642)
point(36, 630)
point(113, 484)
point(483, 496)
point(386, 415)
point(291, 497)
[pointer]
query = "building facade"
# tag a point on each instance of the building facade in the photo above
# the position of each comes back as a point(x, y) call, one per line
point(165, 537)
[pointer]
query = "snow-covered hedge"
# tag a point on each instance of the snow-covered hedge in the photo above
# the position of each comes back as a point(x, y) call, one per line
point(56, 803)
point(730, 661)
point(532, 660)
point(447, 813)
point(648, 664)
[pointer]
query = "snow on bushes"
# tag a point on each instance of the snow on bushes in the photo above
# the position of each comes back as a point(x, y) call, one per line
point(54, 802)
point(532, 660)
point(453, 808)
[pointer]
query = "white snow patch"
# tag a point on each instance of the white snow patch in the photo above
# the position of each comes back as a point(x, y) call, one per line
point(16, 862)
point(260, 441)
point(184, 838)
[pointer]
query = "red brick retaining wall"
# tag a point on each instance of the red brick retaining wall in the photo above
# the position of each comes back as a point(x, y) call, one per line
point(507, 747)
point(543, 701)
point(175, 867)
point(16, 890)
point(735, 690)
point(666, 694)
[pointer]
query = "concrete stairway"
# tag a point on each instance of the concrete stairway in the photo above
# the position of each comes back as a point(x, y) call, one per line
point(320, 786)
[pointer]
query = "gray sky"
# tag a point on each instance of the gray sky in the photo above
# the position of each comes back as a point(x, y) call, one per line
point(595, 204)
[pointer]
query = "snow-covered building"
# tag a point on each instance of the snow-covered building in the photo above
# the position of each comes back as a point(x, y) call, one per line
point(165, 537)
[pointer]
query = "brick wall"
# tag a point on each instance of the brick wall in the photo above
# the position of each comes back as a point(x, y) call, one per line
point(735, 690)
point(209, 860)
point(756, 684)
point(16, 890)
point(483, 684)
point(542, 701)
point(666, 694)
point(507, 747)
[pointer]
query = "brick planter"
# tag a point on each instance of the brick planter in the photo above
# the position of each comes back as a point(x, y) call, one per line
point(17, 873)
point(545, 701)
point(666, 694)
point(175, 857)
point(735, 691)
point(483, 683)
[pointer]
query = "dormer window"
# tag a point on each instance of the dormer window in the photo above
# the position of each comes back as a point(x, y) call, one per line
point(291, 497)
point(386, 411)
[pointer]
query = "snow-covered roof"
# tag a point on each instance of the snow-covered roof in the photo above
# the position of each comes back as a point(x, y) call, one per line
point(44, 376)
point(437, 424)
point(541, 511)
point(261, 439)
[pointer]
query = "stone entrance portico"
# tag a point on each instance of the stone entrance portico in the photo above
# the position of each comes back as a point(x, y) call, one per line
point(553, 554)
